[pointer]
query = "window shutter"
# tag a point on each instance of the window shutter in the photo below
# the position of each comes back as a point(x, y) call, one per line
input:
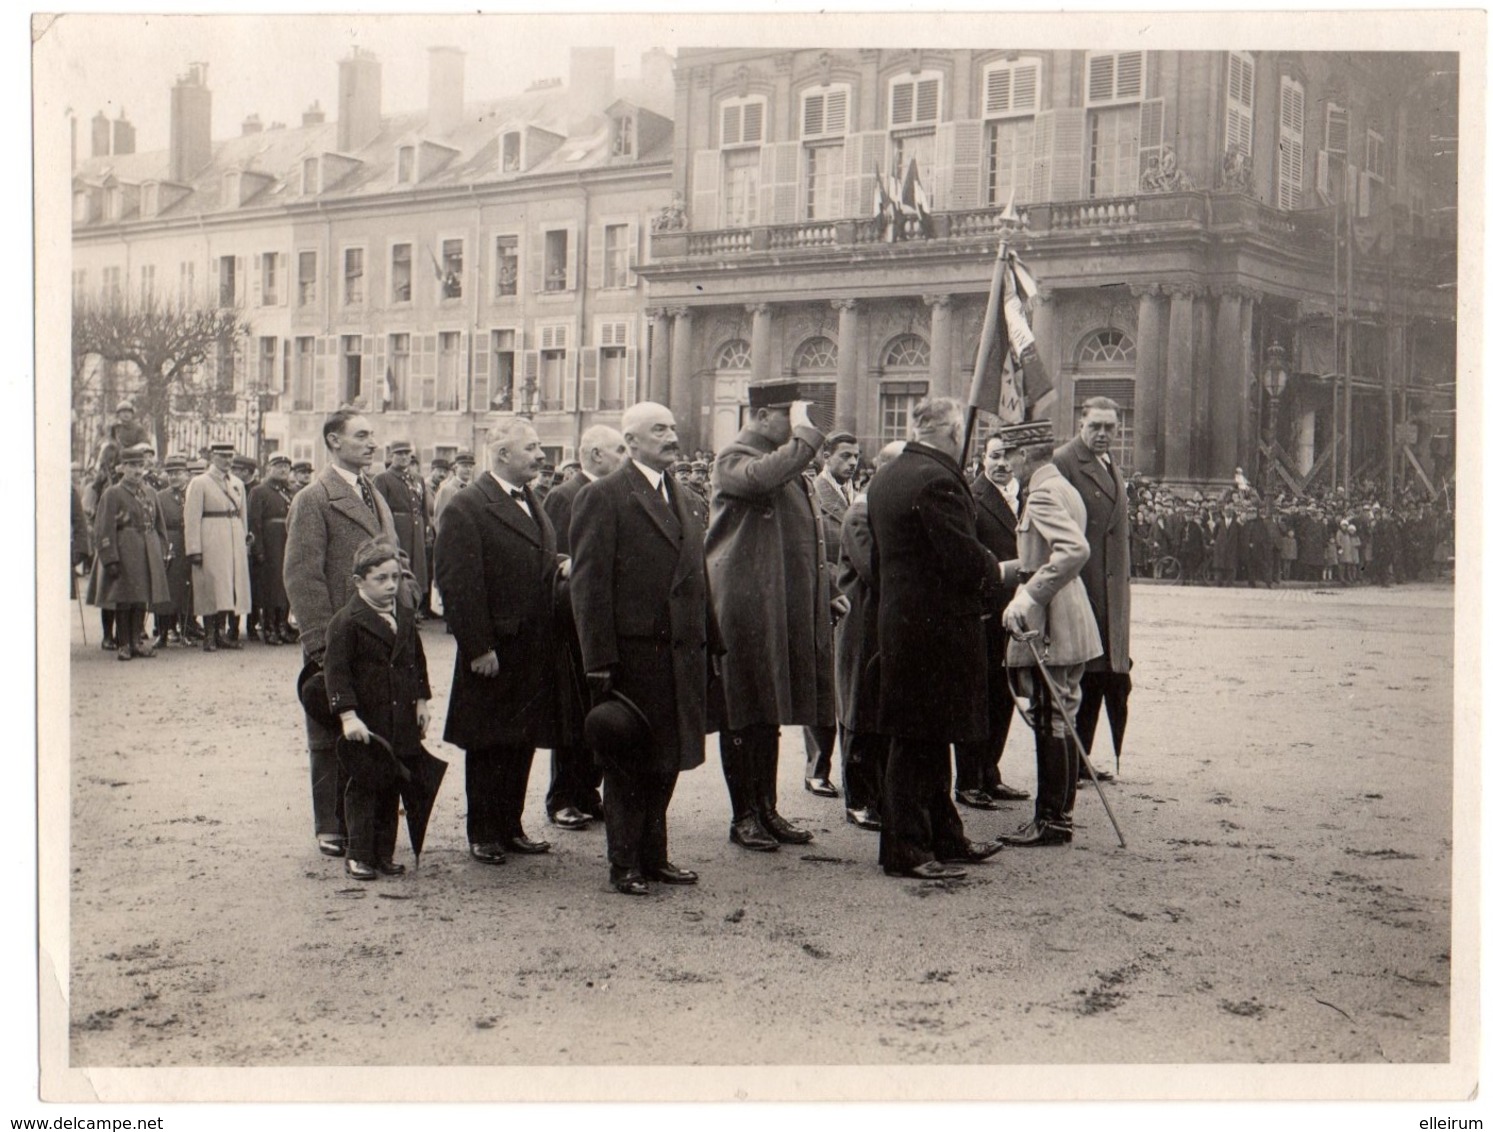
point(630, 374)
point(463, 371)
point(997, 91)
point(536, 260)
point(321, 393)
point(1058, 155)
point(837, 112)
point(705, 189)
point(813, 120)
point(1101, 78)
point(927, 100)
point(530, 378)
point(1152, 133)
point(282, 279)
point(590, 377)
point(482, 369)
point(373, 379)
point(569, 373)
point(960, 157)
point(1289, 169)
point(1324, 175)
point(595, 257)
point(1129, 71)
point(779, 190)
point(1337, 129)
point(240, 291)
point(258, 279)
point(753, 121)
point(902, 105)
point(572, 256)
point(1239, 123)
point(731, 125)
point(428, 362)
point(633, 239)
point(863, 153)
point(1025, 81)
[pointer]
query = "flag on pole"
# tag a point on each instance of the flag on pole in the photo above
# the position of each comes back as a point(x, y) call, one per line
point(915, 198)
point(1021, 380)
point(887, 212)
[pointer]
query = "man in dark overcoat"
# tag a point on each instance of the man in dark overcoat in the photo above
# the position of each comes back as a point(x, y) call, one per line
point(128, 538)
point(832, 492)
point(497, 567)
point(329, 520)
point(573, 800)
point(269, 508)
point(405, 493)
point(642, 608)
point(1257, 548)
point(1087, 463)
point(179, 626)
point(771, 591)
point(1226, 547)
point(935, 582)
point(977, 775)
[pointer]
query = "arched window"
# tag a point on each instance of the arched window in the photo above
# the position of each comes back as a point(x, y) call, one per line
point(906, 357)
point(1106, 368)
point(817, 355)
point(735, 354)
point(815, 361)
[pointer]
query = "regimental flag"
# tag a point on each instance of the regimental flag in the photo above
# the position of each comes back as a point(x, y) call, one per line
point(915, 198)
point(1016, 380)
point(888, 213)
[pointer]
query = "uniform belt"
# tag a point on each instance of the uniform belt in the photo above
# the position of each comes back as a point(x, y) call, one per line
point(220, 514)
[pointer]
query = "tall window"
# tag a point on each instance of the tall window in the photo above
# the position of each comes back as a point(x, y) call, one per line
point(398, 377)
point(905, 364)
point(615, 255)
point(268, 348)
point(613, 376)
point(401, 273)
point(448, 372)
point(227, 281)
point(556, 260)
point(1290, 166)
point(624, 133)
point(404, 173)
point(451, 269)
point(269, 278)
point(113, 286)
point(1114, 151)
point(1240, 100)
point(147, 285)
point(507, 265)
point(352, 369)
point(187, 283)
point(824, 168)
point(512, 147)
point(310, 176)
point(819, 357)
point(551, 379)
point(1012, 96)
point(504, 350)
point(1106, 368)
point(306, 279)
point(304, 376)
point(352, 276)
point(740, 187)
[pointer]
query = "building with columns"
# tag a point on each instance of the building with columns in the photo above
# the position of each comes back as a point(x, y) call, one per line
point(442, 268)
point(1181, 211)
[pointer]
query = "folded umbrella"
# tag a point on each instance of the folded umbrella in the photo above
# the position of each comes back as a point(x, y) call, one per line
point(419, 782)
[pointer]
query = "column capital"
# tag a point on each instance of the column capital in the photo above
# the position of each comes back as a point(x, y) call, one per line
point(938, 302)
point(1142, 290)
point(1229, 291)
point(754, 309)
point(1180, 290)
point(680, 312)
point(845, 304)
point(1041, 298)
point(1252, 295)
point(655, 314)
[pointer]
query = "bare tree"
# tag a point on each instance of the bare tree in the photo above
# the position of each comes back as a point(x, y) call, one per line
point(167, 345)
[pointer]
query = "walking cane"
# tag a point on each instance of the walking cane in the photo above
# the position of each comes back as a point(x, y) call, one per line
point(1057, 699)
point(82, 621)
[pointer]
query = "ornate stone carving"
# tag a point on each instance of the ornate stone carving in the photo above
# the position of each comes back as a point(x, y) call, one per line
point(1238, 172)
point(755, 309)
point(681, 312)
point(1162, 175)
point(844, 304)
point(744, 76)
point(1181, 290)
point(1141, 290)
point(670, 218)
point(938, 302)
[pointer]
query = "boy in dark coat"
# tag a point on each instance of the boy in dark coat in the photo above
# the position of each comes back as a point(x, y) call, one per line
point(378, 685)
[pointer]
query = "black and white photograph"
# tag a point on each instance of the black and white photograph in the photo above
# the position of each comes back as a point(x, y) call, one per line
point(774, 557)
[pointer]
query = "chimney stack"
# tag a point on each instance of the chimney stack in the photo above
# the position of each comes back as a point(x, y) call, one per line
point(252, 125)
point(191, 124)
point(447, 89)
point(124, 134)
point(101, 132)
point(313, 115)
point(592, 72)
point(359, 100)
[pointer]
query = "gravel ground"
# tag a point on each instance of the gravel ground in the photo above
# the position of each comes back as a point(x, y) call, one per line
point(1286, 895)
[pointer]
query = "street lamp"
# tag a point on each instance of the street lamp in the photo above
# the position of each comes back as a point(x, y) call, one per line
point(1274, 379)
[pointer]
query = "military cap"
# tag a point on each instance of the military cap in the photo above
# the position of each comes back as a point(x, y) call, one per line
point(400, 446)
point(196, 465)
point(132, 456)
point(175, 464)
point(223, 448)
point(124, 406)
point(278, 458)
point(440, 462)
point(142, 450)
point(465, 457)
point(547, 466)
point(1027, 433)
point(700, 466)
point(772, 395)
point(301, 466)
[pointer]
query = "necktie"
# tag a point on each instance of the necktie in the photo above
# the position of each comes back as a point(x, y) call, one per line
point(518, 494)
point(663, 490)
point(367, 491)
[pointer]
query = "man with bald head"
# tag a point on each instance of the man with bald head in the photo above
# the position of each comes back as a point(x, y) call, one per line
point(642, 608)
point(496, 566)
point(574, 798)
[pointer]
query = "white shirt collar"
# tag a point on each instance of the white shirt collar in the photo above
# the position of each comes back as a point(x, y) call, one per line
point(589, 477)
point(510, 488)
point(351, 477)
point(653, 478)
point(1011, 490)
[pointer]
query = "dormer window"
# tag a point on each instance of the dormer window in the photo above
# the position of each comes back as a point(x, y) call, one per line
point(743, 122)
point(230, 188)
point(114, 203)
point(826, 110)
point(404, 172)
point(150, 199)
point(80, 207)
point(624, 136)
point(512, 152)
point(310, 176)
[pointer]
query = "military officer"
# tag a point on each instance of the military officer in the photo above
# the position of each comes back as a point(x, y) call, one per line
point(179, 626)
point(216, 534)
point(129, 537)
point(269, 507)
point(405, 493)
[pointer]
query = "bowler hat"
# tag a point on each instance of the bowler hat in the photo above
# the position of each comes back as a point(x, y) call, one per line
point(615, 727)
point(772, 395)
point(311, 687)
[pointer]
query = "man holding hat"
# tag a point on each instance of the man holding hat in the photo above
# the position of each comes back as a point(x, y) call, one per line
point(1050, 614)
point(269, 508)
point(216, 534)
point(405, 493)
point(178, 626)
point(934, 583)
point(647, 635)
point(771, 592)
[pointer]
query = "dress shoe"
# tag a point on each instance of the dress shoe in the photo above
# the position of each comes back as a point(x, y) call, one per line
point(929, 870)
point(359, 871)
point(144, 650)
point(390, 869)
point(865, 819)
point(821, 786)
point(108, 644)
point(668, 873)
point(749, 834)
point(1004, 793)
point(331, 846)
point(1101, 775)
point(977, 799)
point(784, 831)
point(975, 852)
point(1035, 833)
point(124, 653)
point(522, 844)
point(630, 884)
point(229, 641)
point(568, 817)
point(488, 853)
